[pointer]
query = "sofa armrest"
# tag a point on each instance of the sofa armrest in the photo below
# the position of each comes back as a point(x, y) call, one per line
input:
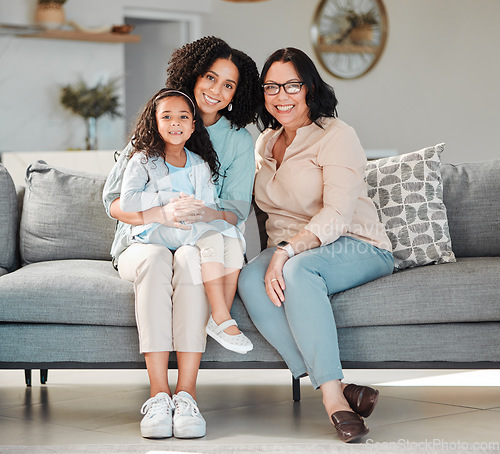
point(9, 226)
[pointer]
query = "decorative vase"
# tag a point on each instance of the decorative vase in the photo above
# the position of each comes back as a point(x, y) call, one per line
point(362, 34)
point(50, 15)
point(91, 138)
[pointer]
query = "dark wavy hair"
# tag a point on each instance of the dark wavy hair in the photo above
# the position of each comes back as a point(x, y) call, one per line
point(320, 97)
point(147, 139)
point(196, 58)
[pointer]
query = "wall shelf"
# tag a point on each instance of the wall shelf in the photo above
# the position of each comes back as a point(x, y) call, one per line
point(82, 36)
point(347, 48)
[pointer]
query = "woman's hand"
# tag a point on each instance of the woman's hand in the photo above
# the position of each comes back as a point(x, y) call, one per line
point(187, 209)
point(275, 284)
point(190, 210)
point(162, 215)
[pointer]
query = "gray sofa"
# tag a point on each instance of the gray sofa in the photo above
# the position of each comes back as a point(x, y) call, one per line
point(63, 305)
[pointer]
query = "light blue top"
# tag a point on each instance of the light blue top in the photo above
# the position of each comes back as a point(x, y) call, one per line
point(180, 176)
point(148, 183)
point(235, 151)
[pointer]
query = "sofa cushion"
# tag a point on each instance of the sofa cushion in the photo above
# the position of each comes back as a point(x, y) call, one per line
point(444, 342)
point(8, 220)
point(58, 343)
point(77, 292)
point(408, 194)
point(63, 216)
point(472, 198)
point(87, 292)
point(464, 291)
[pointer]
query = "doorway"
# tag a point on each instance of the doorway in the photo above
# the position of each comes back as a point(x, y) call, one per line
point(146, 61)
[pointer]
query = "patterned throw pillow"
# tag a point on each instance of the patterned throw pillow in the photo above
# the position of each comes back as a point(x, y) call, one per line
point(408, 194)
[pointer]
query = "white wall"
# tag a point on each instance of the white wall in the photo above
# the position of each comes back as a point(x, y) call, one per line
point(141, 84)
point(437, 80)
point(32, 72)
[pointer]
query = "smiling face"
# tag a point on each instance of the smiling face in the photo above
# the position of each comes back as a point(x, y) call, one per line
point(290, 110)
point(174, 119)
point(215, 89)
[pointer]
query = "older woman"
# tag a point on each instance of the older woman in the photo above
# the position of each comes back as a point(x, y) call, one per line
point(324, 233)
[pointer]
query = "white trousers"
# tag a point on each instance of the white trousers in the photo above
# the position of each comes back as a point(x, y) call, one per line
point(171, 306)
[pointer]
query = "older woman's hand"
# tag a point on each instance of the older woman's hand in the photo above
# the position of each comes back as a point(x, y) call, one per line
point(275, 284)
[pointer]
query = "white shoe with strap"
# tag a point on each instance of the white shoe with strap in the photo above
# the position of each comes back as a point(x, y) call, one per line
point(238, 343)
point(157, 421)
point(187, 420)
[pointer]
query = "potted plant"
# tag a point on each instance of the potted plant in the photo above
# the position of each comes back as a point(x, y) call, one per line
point(357, 27)
point(50, 13)
point(91, 103)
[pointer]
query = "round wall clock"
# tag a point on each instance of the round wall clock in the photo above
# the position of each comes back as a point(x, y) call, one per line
point(349, 35)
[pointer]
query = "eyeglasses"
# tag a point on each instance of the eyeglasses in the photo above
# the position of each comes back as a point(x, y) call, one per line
point(290, 88)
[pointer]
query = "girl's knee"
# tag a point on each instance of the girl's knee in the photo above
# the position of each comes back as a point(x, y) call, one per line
point(211, 246)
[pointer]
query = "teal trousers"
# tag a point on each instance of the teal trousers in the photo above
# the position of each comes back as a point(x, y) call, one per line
point(303, 329)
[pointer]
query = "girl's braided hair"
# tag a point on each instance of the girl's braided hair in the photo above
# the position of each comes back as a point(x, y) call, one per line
point(147, 138)
point(196, 58)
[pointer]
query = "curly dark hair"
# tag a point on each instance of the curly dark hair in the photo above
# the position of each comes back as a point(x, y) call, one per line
point(147, 139)
point(196, 58)
point(320, 97)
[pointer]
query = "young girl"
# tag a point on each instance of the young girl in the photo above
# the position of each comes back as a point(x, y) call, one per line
point(173, 157)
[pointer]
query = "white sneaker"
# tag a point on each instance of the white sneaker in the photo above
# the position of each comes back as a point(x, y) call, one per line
point(238, 343)
point(157, 422)
point(188, 422)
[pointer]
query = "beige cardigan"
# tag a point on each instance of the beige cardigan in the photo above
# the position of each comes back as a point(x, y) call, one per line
point(319, 186)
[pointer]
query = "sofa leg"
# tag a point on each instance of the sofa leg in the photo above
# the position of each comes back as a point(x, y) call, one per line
point(44, 373)
point(296, 389)
point(27, 377)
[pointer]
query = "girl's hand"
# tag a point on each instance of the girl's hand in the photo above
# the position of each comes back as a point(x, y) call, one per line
point(190, 210)
point(275, 284)
point(166, 216)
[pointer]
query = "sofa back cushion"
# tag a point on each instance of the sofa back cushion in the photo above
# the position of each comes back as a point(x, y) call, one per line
point(8, 220)
point(63, 216)
point(471, 193)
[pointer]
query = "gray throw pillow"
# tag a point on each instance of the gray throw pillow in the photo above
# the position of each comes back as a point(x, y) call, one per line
point(471, 193)
point(408, 194)
point(8, 220)
point(63, 216)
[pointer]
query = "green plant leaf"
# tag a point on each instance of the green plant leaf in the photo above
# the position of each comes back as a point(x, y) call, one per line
point(91, 101)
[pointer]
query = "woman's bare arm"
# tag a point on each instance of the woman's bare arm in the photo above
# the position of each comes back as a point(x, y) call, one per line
point(163, 215)
point(126, 217)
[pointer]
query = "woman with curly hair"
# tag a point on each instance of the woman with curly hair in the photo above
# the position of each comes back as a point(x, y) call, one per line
point(172, 311)
point(161, 168)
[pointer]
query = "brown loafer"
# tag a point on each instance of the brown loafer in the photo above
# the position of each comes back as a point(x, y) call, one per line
point(350, 426)
point(362, 399)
